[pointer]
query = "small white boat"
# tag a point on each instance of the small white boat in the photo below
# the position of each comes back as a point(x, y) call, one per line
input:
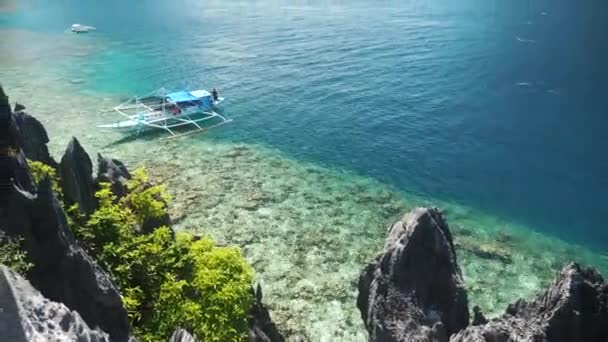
point(168, 110)
point(77, 28)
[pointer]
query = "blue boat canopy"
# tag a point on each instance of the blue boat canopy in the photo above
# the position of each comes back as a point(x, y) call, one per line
point(181, 96)
point(200, 93)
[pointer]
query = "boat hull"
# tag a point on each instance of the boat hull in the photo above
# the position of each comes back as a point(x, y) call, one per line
point(155, 119)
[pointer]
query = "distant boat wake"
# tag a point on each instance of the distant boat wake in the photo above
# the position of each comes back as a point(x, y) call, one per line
point(552, 91)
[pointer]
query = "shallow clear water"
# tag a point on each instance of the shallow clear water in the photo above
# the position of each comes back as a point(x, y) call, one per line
point(346, 115)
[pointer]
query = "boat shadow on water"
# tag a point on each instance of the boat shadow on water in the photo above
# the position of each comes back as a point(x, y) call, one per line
point(146, 135)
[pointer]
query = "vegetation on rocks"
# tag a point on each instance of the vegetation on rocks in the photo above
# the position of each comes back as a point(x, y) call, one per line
point(166, 279)
point(145, 201)
point(40, 171)
point(12, 255)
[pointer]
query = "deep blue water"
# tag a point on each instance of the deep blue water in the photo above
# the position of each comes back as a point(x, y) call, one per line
point(496, 104)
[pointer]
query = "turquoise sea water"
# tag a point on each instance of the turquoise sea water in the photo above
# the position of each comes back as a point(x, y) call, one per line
point(346, 115)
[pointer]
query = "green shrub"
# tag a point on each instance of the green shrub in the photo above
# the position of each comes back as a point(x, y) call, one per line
point(146, 201)
point(214, 300)
point(109, 224)
point(40, 170)
point(13, 256)
point(166, 281)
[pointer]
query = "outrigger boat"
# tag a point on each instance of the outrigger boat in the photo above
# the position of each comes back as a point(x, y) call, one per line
point(169, 110)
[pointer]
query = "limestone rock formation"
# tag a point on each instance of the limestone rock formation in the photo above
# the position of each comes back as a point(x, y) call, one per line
point(76, 174)
point(113, 171)
point(14, 170)
point(62, 271)
point(27, 316)
point(35, 138)
point(18, 107)
point(13, 165)
point(414, 291)
point(181, 335)
point(5, 106)
point(262, 328)
point(573, 309)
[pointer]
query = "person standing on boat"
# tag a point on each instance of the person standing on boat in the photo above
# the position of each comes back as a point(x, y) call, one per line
point(214, 94)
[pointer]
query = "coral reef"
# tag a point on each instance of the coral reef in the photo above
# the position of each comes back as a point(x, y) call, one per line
point(321, 224)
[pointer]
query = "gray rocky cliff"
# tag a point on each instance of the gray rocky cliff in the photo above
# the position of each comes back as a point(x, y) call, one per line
point(13, 165)
point(262, 328)
point(413, 292)
point(34, 139)
point(27, 316)
point(113, 171)
point(62, 270)
point(76, 176)
point(573, 309)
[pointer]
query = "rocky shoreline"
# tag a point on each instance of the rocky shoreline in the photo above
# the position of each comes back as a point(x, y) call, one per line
point(61, 270)
point(414, 291)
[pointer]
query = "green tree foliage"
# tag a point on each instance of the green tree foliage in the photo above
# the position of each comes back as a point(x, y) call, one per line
point(40, 170)
point(13, 256)
point(145, 201)
point(214, 299)
point(166, 280)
